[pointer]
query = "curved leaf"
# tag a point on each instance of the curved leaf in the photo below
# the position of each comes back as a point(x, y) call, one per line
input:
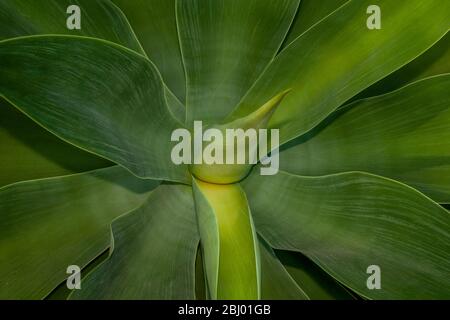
point(276, 283)
point(315, 282)
point(434, 61)
point(349, 222)
point(229, 243)
point(109, 100)
point(309, 13)
point(30, 152)
point(155, 25)
point(154, 251)
point(225, 45)
point(340, 57)
point(47, 225)
point(404, 135)
point(62, 292)
point(99, 19)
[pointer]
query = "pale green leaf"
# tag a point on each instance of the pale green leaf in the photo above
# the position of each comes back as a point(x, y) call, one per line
point(228, 240)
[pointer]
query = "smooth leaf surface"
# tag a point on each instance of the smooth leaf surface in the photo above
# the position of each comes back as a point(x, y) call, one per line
point(109, 100)
point(154, 251)
point(340, 57)
point(276, 282)
point(29, 152)
point(404, 135)
point(348, 222)
point(47, 225)
point(99, 19)
point(309, 13)
point(229, 242)
point(434, 61)
point(225, 45)
point(155, 25)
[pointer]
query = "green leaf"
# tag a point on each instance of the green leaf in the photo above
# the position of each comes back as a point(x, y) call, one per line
point(315, 282)
point(309, 13)
point(348, 222)
point(154, 251)
point(30, 152)
point(99, 19)
point(404, 135)
point(108, 100)
point(176, 108)
point(200, 283)
point(340, 57)
point(228, 240)
point(47, 225)
point(62, 292)
point(434, 61)
point(225, 45)
point(155, 25)
point(276, 283)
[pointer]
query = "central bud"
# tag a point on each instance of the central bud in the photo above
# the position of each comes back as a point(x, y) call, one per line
point(225, 153)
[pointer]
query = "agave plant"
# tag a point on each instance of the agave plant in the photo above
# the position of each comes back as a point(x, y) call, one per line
point(87, 177)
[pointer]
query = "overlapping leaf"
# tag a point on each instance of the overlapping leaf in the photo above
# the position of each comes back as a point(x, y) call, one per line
point(229, 243)
point(348, 222)
point(47, 225)
point(30, 152)
point(309, 13)
point(225, 45)
point(276, 282)
point(154, 251)
point(434, 61)
point(154, 23)
point(404, 135)
point(339, 57)
point(99, 19)
point(315, 282)
point(99, 96)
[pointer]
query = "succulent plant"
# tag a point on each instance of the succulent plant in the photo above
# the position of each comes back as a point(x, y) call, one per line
point(86, 126)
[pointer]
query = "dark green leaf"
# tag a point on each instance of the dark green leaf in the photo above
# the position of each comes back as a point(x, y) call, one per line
point(276, 283)
point(30, 152)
